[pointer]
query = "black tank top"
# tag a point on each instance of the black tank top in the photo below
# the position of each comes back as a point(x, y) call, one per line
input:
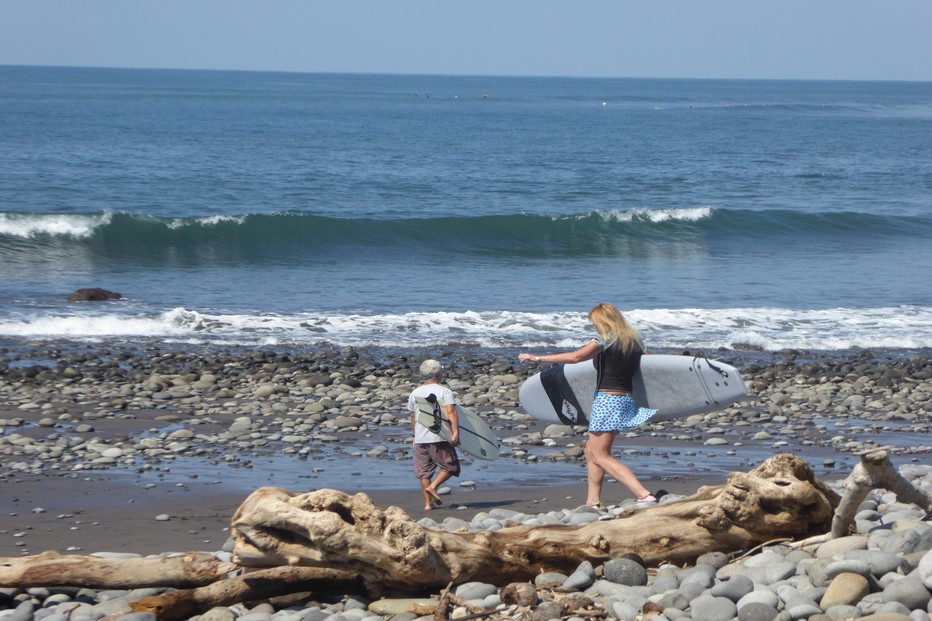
point(616, 369)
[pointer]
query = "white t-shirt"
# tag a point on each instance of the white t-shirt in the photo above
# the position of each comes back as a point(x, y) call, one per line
point(445, 396)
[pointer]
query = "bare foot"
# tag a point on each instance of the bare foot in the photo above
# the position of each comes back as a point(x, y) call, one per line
point(434, 496)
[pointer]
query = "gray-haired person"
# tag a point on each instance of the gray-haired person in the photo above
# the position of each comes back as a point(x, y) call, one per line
point(431, 451)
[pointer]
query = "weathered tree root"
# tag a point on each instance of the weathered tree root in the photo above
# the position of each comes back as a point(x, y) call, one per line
point(875, 471)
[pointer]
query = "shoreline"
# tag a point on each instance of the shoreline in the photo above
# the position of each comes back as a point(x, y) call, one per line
point(105, 440)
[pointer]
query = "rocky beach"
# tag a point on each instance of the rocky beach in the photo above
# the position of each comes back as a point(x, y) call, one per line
point(144, 450)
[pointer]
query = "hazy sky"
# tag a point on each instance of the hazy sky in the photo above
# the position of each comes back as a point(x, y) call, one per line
point(806, 39)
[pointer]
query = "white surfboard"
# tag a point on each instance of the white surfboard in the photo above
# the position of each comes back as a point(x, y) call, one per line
point(676, 386)
point(476, 438)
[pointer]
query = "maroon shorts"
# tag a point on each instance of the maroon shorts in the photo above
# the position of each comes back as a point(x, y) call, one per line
point(429, 457)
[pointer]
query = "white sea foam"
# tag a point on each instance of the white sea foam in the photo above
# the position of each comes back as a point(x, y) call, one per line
point(177, 322)
point(706, 329)
point(67, 225)
point(657, 215)
point(178, 223)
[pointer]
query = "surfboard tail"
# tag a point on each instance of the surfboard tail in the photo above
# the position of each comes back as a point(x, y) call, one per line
point(561, 395)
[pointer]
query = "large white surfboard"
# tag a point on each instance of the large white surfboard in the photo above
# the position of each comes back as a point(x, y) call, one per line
point(676, 386)
point(476, 438)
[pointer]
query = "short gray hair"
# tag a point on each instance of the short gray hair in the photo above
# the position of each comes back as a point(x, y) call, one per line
point(430, 368)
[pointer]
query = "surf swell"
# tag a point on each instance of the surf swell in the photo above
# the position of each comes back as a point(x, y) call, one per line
point(292, 235)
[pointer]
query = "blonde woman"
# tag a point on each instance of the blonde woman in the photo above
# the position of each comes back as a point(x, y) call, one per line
point(617, 353)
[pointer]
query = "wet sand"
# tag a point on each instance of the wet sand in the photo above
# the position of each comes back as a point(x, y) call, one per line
point(86, 516)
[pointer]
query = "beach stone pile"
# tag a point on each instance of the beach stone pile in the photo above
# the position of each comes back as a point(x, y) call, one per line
point(142, 407)
point(881, 572)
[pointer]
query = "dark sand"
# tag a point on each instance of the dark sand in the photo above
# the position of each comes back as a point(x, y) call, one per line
point(94, 514)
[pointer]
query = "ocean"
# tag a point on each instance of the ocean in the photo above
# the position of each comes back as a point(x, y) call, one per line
point(430, 213)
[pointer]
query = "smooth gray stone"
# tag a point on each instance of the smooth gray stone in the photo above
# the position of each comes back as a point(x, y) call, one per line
point(759, 596)
point(709, 608)
point(780, 571)
point(492, 601)
point(801, 607)
point(817, 572)
point(894, 607)
point(50, 615)
point(848, 566)
point(673, 614)
point(673, 599)
point(700, 574)
point(582, 578)
point(578, 519)
point(452, 524)
point(902, 543)
point(880, 563)
point(924, 569)
point(715, 559)
point(352, 603)
point(734, 588)
point(475, 590)
point(798, 556)
point(625, 571)
point(625, 611)
point(667, 582)
point(843, 612)
point(507, 514)
point(607, 588)
point(314, 614)
point(757, 611)
point(691, 590)
point(549, 579)
point(909, 591)
point(871, 603)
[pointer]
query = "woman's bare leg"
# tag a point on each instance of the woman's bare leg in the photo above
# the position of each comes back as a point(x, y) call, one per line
point(599, 453)
point(595, 474)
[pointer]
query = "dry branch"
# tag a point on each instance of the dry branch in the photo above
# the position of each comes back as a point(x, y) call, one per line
point(875, 471)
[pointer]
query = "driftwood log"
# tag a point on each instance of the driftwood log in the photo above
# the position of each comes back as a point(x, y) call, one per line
point(53, 569)
point(389, 550)
point(328, 541)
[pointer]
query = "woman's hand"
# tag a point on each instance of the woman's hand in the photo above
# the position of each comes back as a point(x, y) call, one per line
point(527, 357)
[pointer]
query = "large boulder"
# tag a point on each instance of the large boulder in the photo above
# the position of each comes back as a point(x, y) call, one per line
point(93, 295)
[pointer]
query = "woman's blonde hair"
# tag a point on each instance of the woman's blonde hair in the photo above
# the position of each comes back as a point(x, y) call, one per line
point(611, 326)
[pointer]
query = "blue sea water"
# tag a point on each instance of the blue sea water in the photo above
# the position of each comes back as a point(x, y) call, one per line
point(277, 209)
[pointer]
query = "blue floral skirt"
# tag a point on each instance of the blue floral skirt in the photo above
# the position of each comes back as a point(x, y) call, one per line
point(617, 413)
